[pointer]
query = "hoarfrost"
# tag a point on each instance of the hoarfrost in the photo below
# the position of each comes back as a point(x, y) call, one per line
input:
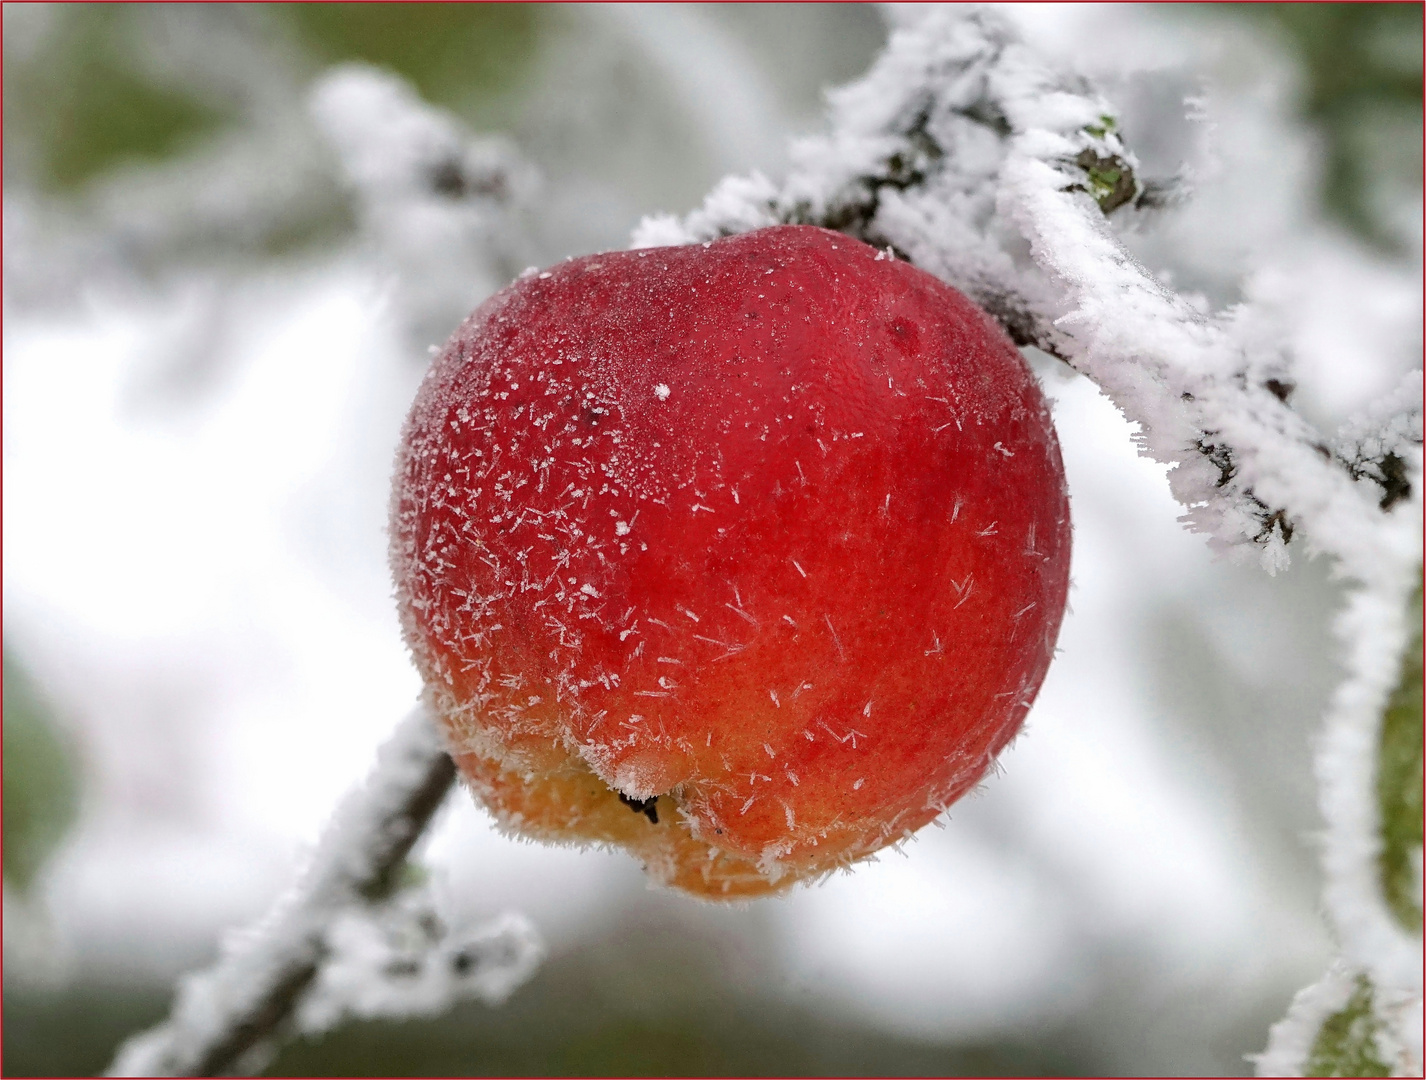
point(439, 207)
point(965, 152)
point(401, 961)
point(1378, 972)
point(224, 1017)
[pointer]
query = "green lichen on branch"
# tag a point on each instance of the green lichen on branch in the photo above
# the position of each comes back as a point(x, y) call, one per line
point(1111, 180)
point(1399, 784)
point(1106, 124)
point(1346, 1042)
point(41, 778)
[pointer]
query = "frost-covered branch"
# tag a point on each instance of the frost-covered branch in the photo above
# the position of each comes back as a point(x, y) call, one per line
point(224, 1014)
point(1377, 444)
point(438, 208)
point(1363, 1018)
point(959, 147)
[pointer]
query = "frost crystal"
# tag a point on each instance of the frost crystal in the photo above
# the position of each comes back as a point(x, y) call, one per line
point(402, 961)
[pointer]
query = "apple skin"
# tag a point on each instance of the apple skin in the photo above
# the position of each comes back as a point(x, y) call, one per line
point(746, 556)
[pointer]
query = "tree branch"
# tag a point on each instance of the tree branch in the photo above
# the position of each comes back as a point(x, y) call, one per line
point(242, 1004)
point(959, 146)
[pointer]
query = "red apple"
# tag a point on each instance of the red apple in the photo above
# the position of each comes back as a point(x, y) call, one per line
point(747, 556)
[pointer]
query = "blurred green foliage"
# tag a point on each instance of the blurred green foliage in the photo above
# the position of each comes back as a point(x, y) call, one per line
point(1346, 1044)
point(582, 1015)
point(41, 794)
point(84, 101)
point(1399, 785)
point(456, 55)
point(640, 997)
point(1363, 68)
point(83, 106)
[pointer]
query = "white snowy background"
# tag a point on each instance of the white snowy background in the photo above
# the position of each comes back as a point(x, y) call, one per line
point(196, 461)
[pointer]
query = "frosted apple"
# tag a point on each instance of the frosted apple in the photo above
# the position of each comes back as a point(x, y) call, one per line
point(748, 556)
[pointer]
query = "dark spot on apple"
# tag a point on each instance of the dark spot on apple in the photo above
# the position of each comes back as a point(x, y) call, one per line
point(905, 333)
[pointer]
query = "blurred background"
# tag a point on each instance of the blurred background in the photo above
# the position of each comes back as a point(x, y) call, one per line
point(214, 320)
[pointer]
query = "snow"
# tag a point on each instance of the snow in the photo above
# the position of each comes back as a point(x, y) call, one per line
point(441, 210)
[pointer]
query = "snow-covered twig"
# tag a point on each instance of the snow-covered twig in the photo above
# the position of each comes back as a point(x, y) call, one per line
point(961, 145)
point(1363, 1018)
point(1377, 444)
point(438, 208)
point(400, 960)
point(224, 1014)
point(1342, 1026)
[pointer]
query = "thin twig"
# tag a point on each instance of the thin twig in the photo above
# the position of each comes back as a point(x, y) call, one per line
point(962, 143)
point(224, 1016)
